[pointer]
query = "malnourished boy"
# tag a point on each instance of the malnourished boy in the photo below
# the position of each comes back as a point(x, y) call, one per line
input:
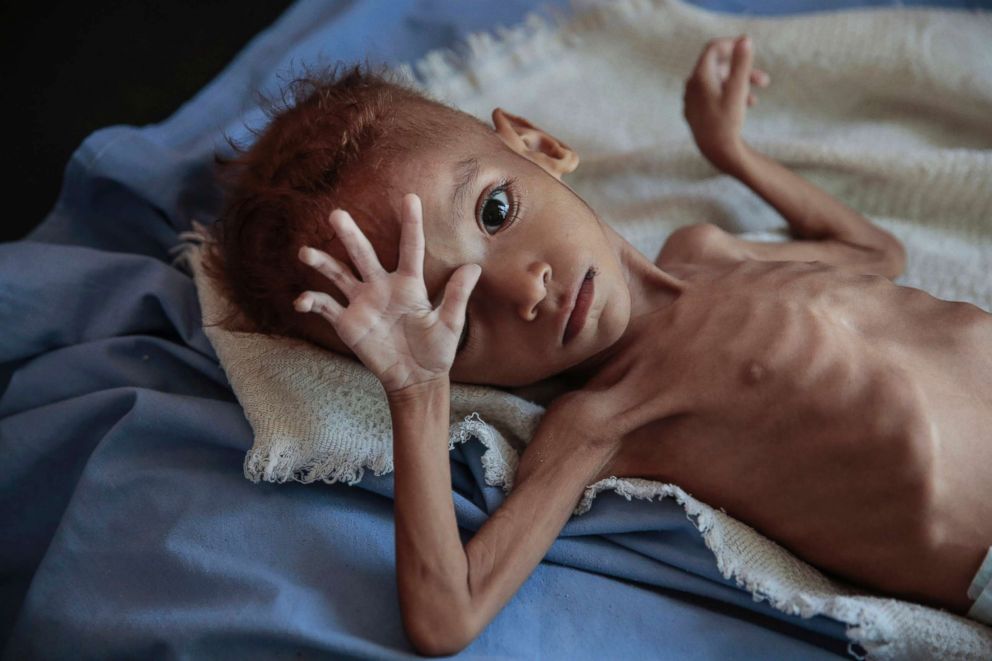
point(792, 384)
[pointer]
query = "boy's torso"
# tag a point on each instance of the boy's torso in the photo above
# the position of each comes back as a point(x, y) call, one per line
point(841, 415)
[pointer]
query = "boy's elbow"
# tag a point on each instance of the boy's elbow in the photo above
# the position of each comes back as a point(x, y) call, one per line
point(434, 647)
point(885, 256)
point(439, 636)
point(436, 610)
point(894, 259)
point(892, 254)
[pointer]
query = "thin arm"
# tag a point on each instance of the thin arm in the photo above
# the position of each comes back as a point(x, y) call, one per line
point(811, 212)
point(449, 593)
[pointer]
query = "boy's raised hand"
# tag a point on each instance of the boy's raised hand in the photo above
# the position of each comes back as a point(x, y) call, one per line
point(717, 93)
point(389, 322)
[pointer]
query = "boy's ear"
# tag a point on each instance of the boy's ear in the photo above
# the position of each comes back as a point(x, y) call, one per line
point(532, 143)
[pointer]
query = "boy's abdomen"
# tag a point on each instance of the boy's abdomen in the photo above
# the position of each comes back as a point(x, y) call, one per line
point(954, 377)
point(824, 416)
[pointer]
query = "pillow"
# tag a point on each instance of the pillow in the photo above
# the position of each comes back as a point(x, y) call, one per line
point(317, 415)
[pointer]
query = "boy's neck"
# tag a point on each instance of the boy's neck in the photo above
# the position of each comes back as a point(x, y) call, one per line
point(651, 289)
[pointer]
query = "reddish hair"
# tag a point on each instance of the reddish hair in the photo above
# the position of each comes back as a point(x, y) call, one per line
point(325, 147)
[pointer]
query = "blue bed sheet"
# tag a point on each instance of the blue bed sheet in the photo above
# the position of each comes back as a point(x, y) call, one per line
point(127, 528)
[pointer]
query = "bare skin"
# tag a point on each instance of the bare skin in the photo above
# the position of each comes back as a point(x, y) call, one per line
point(796, 403)
point(792, 384)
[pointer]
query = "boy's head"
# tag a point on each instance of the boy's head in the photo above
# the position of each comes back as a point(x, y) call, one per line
point(491, 195)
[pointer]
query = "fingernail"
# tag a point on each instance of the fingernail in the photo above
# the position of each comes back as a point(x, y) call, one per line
point(747, 42)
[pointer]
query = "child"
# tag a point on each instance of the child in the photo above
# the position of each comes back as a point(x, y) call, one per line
point(793, 385)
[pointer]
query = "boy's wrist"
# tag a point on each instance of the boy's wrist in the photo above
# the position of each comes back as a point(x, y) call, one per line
point(418, 392)
point(726, 155)
point(735, 160)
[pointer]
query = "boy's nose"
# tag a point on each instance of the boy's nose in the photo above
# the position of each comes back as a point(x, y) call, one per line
point(532, 289)
point(519, 286)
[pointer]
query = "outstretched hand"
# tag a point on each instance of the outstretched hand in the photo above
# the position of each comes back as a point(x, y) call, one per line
point(389, 322)
point(717, 94)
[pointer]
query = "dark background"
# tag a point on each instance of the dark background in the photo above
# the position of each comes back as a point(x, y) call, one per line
point(75, 67)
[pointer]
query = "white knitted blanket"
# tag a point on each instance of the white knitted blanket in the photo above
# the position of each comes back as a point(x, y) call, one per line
point(889, 110)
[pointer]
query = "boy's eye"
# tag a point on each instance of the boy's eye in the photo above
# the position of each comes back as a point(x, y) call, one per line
point(496, 209)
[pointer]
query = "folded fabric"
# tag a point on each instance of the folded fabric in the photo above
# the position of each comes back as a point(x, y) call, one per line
point(886, 109)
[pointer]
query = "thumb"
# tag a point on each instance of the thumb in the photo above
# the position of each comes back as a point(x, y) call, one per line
point(738, 82)
point(456, 293)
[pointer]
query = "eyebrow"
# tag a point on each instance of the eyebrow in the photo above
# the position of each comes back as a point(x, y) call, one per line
point(465, 173)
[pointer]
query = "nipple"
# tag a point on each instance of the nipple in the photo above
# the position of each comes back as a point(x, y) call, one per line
point(754, 373)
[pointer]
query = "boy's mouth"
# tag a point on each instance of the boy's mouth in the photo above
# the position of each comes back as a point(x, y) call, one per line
point(580, 308)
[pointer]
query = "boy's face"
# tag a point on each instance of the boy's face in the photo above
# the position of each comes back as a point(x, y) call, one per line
point(535, 240)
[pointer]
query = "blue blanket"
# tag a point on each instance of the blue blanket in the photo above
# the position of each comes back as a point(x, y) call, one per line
point(126, 525)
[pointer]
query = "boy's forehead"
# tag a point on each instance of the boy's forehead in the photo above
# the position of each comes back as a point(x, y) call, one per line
point(445, 180)
point(441, 161)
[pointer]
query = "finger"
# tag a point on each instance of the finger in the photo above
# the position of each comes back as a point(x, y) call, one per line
point(412, 237)
point(330, 268)
point(751, 100)
point(456, 295)
point(737, 84)
point(760, 78)
point(723, 70)
point(319, 303)
point(720, 48)
point(359, 248)
point(707, 68)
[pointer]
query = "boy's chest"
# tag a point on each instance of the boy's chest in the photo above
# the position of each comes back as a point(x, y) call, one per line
point(769, 362)
point(823, 412)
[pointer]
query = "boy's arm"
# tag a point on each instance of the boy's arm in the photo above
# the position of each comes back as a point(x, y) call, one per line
point(716, 95)
point(449, 593)
point(833, 232)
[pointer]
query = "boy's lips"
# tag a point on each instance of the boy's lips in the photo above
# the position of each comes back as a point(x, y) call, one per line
point(576, 317)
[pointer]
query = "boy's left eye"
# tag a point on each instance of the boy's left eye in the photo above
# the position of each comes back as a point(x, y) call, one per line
point(496, 209)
